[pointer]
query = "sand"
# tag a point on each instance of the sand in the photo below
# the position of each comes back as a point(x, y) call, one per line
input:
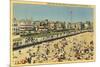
point(73, 48)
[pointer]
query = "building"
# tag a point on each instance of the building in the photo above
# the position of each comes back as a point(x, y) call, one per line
point(68, 25)
point(51, 25)
point(15, 27)
point(58, 26)
point(42, 27)
point(35, 25)
point(78, 26)
point(74, 26)
point(88, 25)
point(26, 27)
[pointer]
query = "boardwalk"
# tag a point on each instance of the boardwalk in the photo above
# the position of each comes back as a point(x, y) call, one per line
point(48, 40)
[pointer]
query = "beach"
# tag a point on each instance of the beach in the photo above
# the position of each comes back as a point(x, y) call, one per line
point(73, 48)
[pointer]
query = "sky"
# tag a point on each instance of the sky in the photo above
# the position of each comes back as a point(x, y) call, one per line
point(54, 13)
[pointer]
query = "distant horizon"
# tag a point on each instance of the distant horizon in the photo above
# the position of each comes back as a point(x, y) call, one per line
point(53, 13)
point(52, 20)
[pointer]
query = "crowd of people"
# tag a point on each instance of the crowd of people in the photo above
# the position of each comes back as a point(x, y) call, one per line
point(73, 48)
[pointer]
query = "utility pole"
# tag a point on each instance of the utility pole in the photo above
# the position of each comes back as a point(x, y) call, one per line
point(71, 15)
